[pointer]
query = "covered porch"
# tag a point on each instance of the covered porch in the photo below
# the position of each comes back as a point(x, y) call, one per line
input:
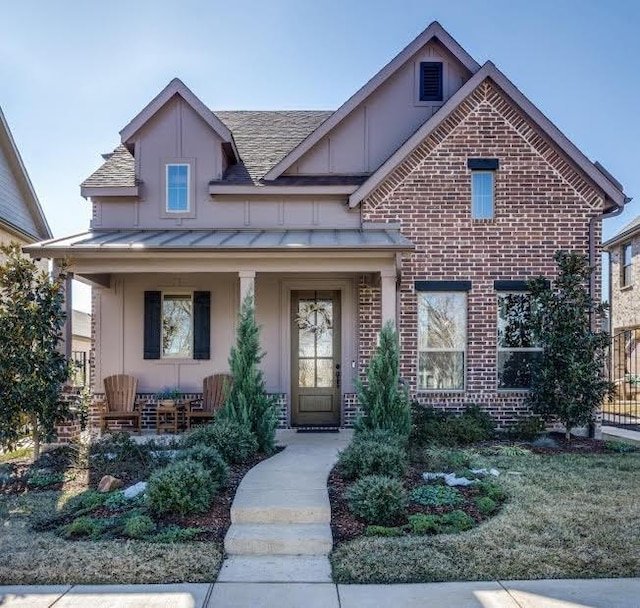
point(165, 306)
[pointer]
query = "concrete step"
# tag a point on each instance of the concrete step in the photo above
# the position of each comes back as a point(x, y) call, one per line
point(278, 539)
point(281, 507)
point(275, 569)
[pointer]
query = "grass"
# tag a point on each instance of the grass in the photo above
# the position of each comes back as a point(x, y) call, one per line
point(23, 452)
point(43, 558)
point(567, 516)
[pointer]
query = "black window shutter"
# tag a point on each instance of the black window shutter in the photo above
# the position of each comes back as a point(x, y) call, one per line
point(152, 324)
point(201, 324)
point(430, 81)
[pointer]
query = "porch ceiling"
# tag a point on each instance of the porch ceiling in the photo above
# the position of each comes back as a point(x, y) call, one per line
point(109, 242)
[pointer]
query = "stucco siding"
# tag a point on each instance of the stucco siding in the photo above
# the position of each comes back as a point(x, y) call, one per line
point(363, 140)
point(13, 208)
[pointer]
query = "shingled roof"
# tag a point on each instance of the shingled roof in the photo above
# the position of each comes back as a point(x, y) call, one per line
point(262, 137)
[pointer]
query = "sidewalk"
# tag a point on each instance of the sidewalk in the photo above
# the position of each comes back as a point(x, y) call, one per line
point(601, 593)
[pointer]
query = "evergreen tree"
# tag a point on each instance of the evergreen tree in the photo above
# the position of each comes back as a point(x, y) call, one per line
point(384, 400)
point(567, 381)
point(32, 369)
point(248, 402)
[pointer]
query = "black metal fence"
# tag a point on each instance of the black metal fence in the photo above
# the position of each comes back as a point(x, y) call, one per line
point(623, 409)
point(80, 374)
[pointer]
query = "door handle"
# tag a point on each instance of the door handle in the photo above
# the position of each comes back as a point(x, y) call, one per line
point(337, 375)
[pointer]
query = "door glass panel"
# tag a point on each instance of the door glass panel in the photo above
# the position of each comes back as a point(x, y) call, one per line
point(325, 373)
point(306, 373)
point(306, 344)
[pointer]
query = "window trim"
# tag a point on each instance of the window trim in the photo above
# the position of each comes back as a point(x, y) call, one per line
point(490, 172)
point(166, 188)
point(465, 294)
point(499, 349)
point(624, 280)
point(181, 356)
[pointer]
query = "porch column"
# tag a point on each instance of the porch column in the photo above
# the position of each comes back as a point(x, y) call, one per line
point(65, 343)
point(247, 284)
point(388, 296)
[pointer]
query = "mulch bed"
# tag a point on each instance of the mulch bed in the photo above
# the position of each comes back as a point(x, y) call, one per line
point(345, 526)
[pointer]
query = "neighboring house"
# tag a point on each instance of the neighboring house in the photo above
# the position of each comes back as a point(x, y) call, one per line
point(427, 199)
point(21, 217)
point(81, 346)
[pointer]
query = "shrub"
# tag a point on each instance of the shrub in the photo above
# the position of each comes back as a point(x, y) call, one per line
point(210, 459)
point(473, 425)
point(182, 487)
point(86, 501)
point(377, 500)
point(42, 479)
point(235, 442)
point(386, 436)
point(384, 400)
point(139, 526)
point(621, 447)
point(175, 534)
point(81, 527)
point(362, 458)
point(486, 505)
point(490, 490)
point(383, 531)
point(431, 426)
point(526, 428)
point(457, 521)
point(441, 460)
point(436, 496)
point(420, 523)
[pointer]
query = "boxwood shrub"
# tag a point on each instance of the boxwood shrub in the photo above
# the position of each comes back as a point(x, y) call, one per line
point(235, 442)
point(365, 457)
point(379, 500)
point(211, 459)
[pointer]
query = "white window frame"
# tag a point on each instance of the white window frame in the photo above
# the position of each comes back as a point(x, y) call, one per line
point(502, 349)
point(464, 351)
point(182, 356)
point(475, 172)
point(166, 180)
point(626, 281)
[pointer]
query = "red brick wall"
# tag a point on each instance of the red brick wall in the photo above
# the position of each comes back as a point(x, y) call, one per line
point(542, 204)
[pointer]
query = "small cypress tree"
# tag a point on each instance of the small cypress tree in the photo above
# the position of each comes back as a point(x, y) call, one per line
point(248, 402)
point(383, 398)
point(32, 369)
point(567, 381)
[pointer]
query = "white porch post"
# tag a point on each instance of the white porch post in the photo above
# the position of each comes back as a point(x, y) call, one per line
point(247, 284)
point(388, 296)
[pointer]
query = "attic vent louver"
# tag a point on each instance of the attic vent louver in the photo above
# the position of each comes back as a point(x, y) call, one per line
point(430, 81)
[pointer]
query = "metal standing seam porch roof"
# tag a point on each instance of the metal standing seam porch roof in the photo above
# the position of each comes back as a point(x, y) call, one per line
point(224, 240)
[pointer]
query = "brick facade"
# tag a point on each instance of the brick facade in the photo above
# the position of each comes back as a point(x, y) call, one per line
point(542, 204)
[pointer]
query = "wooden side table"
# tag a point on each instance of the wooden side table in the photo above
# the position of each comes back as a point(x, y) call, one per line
point(167, 419)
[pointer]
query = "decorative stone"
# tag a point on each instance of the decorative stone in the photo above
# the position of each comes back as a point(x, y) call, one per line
point(135, 489)
point(109, 483)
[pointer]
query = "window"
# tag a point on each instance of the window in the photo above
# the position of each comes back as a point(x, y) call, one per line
point(430, 81)
point(177, 325)
point(517, 347)
point(178, 188)
point(482, 195)
point(625, 279)
point(442, 340)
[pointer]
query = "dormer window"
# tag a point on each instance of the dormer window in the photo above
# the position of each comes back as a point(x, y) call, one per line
point(430, 81)
point(178, 188)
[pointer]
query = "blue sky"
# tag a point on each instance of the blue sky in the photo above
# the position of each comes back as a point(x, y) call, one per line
point(74, 73)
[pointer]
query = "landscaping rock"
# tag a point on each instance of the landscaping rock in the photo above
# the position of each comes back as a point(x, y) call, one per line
point(493, 472)
point(134, 490)
point(109, 483)
point(545, 442)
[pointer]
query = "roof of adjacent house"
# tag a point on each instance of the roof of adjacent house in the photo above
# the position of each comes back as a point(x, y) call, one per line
point(631, 229)
point(81, 323)
point(26, 219)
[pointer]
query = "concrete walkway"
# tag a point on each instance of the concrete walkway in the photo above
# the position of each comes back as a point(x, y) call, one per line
point(601, 593)
point(280, 517)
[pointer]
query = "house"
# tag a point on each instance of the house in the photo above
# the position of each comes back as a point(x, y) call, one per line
point(427, 199)
point(81, 346)
point(21, 217)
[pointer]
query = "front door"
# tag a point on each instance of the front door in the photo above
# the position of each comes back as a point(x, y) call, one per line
point(315, 358)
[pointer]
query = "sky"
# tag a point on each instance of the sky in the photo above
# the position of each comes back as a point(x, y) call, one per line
point(74, 73)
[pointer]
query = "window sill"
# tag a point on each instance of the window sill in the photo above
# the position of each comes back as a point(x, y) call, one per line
point(518, 391)
point(441, 391)
point(483, 220)
point(626, 288)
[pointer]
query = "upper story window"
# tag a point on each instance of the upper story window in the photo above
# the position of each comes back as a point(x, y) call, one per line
point(442, 340)
point(626, 255)
point(482, 187)
point(178, 188)
point(431, 88)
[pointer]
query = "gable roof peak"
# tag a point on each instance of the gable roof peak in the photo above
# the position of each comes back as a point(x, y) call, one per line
point(177, 87)
point(433, 30)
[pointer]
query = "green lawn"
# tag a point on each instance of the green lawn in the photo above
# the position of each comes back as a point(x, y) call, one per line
point(43, 558)
point(568, 516)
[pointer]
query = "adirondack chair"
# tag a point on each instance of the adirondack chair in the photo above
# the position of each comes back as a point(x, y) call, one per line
point(214, 392)
point(120, 401)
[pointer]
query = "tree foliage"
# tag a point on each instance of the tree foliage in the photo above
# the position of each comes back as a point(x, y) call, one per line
point(248, 402)
point(383, 398)
point(567, 381)
point(32, 369)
